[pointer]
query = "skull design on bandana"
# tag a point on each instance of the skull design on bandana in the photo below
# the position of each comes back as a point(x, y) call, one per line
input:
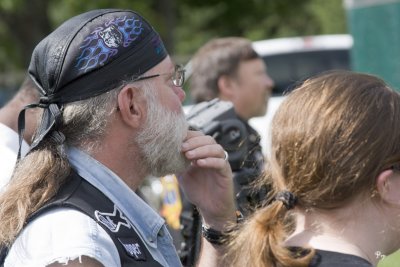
point(111, 36)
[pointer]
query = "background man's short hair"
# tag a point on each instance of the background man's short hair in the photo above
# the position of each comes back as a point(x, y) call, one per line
point(216, 58)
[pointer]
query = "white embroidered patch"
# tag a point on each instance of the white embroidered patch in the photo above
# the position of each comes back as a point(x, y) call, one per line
point(111, 36)
point(112, 221)
point(133, 249)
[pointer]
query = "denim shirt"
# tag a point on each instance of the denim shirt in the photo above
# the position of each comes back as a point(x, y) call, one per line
point(147, 223)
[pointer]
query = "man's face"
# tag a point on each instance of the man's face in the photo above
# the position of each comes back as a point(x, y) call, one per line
point(252, 90)
point(165, 128)
point(169, 95)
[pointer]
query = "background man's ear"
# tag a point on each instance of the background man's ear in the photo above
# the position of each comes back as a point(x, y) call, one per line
point(388, 186)
point(132, 106)
point(226, 87)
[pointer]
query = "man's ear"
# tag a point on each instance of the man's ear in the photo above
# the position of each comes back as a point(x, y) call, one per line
point(388, 186)
point(132, 106)
point(226, 87)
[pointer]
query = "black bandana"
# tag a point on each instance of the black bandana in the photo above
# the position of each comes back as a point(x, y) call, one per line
point(86, 56)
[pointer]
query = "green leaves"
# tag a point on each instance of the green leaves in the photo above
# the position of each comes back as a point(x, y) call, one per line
point(185, 25)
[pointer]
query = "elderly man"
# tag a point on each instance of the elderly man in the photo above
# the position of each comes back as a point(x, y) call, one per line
point(112, 115)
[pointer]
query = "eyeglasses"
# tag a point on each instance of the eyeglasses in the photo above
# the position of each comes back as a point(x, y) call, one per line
point(177, 77)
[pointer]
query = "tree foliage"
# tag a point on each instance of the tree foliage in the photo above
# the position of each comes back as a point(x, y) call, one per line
point(22, 25)
point(183, 24)
point(255, 19)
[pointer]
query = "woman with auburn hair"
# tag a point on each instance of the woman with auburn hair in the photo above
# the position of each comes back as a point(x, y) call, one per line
point(335, 166)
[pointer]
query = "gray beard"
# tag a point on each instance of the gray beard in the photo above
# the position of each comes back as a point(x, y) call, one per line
point(161, 140)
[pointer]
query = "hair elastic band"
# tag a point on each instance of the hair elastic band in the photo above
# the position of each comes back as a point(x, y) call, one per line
point(287, 198)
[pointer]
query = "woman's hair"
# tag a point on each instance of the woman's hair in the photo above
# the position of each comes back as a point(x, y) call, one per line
point(38, 176)
point(216, 58)
point(331, 137)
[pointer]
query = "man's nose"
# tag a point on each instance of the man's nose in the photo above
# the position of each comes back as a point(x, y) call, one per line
point(180, 93)
point(269, 82)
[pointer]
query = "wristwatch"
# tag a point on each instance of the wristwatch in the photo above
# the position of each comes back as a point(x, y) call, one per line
point(218, 237)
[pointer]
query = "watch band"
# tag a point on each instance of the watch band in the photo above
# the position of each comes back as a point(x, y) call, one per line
point(213, 236)
point(218, 237)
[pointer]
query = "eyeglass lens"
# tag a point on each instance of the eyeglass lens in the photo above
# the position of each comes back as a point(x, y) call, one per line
point(179, 76)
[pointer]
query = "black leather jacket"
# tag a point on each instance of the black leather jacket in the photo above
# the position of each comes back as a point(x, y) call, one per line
point(251, 167)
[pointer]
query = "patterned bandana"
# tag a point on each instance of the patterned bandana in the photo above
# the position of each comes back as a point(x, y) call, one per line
point(86, 56)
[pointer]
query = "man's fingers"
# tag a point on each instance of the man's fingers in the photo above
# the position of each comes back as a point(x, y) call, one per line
point(195, 140)
point(205, 151)
point(213, 163)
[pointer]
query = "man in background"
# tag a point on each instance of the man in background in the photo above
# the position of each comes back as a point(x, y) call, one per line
point(231, 70)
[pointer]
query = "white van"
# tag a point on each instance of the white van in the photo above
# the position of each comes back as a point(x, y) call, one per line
point(291, 60)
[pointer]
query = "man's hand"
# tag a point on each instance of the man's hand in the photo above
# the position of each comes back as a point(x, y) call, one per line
point(208, 182)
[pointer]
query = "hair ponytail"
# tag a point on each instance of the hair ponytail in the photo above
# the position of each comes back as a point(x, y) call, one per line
point(36, 179)
point(260, 240)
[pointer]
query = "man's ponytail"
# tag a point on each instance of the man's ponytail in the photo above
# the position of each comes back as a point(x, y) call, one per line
point(36, 179)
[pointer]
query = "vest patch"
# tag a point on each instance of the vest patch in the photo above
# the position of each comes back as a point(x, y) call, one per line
point(133, 248)
point(112, 221)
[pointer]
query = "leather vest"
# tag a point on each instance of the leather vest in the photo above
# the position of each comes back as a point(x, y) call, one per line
point(78, 194)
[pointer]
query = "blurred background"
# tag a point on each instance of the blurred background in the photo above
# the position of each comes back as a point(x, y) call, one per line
point(184, 25)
